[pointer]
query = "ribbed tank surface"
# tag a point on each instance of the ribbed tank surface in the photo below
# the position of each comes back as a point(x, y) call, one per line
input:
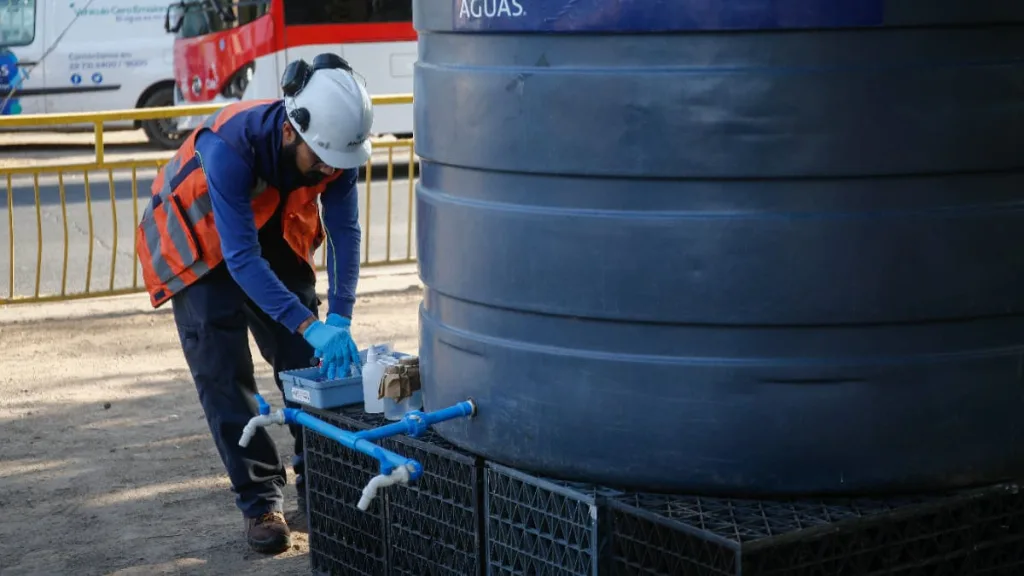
point(745, 247)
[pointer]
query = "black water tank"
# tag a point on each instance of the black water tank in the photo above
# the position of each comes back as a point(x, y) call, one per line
point(753, 246)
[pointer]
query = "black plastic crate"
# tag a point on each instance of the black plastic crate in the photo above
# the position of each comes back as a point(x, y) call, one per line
point(434, 526)
point(343, 539)
point(974, 532)
point(544, 527)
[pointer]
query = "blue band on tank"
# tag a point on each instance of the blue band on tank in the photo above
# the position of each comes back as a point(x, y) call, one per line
point(662, 15)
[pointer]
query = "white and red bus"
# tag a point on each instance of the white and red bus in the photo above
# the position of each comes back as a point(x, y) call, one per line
point(227, 51)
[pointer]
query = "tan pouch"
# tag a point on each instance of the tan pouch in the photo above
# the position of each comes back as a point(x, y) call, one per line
point(401, 380)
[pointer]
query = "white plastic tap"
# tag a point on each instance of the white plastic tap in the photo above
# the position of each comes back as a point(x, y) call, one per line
point(258, 422)
point(398, 475)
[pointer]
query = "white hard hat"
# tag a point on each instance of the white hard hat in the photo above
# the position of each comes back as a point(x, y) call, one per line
point(339, 115)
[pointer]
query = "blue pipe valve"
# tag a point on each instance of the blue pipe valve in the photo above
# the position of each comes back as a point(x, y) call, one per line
point(394, 468)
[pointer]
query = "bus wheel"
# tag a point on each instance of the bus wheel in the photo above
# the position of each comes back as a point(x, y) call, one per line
point(163, 132)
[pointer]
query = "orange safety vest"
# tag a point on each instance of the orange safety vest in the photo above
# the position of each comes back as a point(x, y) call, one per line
point(177, 240)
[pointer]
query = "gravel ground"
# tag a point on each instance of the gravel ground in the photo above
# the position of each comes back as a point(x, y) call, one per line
point(106, 463)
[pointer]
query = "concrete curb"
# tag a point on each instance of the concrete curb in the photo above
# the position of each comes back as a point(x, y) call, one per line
point(375, 281)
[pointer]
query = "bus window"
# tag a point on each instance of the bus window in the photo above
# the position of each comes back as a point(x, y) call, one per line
point(17, 22)
point(249, 10)
point(301, 12)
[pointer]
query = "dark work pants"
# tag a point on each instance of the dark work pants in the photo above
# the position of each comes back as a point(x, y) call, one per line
point(213, 317)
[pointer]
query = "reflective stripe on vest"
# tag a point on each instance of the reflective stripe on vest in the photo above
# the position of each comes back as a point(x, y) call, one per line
point(172, 247)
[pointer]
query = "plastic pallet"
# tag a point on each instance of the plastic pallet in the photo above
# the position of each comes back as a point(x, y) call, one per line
point(434, 527)
point(975, 532)
point(543, 527)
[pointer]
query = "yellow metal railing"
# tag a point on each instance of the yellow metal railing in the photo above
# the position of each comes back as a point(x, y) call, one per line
point(31, 190)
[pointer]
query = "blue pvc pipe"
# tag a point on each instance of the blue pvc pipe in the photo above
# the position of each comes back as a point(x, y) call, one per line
point(412, 424)
point(416, 423)
point(388, 459)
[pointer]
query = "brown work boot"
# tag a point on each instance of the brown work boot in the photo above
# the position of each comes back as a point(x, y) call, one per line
point(268, 534)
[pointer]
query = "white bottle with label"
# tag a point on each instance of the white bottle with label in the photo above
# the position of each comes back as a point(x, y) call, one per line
point(372, 373)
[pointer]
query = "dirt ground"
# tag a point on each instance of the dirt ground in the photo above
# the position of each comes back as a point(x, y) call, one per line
point(136, 488)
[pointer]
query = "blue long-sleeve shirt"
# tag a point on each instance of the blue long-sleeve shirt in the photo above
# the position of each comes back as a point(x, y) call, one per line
point(230, 178)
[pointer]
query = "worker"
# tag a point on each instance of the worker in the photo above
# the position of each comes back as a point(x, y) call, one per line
point(228, 238)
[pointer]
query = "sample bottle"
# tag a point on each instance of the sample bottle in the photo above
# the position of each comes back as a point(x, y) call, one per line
point(373, 371)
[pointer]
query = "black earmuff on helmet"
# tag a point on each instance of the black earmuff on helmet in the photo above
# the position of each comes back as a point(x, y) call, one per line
point(296, 76)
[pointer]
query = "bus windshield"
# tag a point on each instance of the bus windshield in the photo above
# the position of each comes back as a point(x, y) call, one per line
point(201, 17)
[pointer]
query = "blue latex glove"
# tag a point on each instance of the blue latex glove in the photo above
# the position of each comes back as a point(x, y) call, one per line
point(339, 321)
point(332, 343)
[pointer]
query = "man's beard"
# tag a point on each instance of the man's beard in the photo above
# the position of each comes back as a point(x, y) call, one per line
point(289, 161)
